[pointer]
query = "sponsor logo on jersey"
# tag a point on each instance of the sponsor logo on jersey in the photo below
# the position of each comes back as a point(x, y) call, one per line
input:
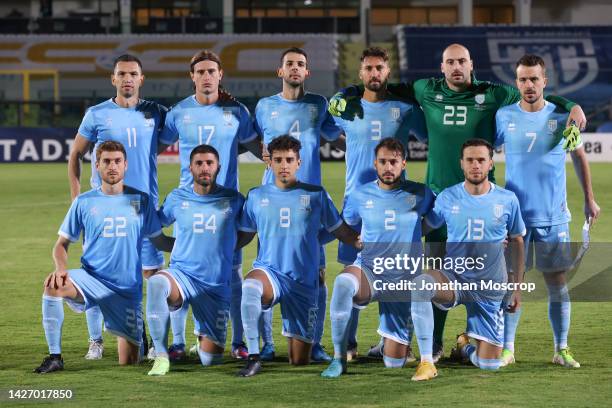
point(264, 202)
point(135, 205)
point(511, 127)
point(439, 97)
point(184, 205)
point(498, 210)
point(480, 98)
point(274, 115)
point(455, 209)
point(369, 204)
point(395, 113)
point(552, 125)
point(187, 119)
point(305, 202)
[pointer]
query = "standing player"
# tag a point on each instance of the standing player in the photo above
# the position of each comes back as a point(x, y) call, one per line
point(287, 216)
point(114, 219)
point(304, 116)
point(205, 217)
point(531, 131)
point(390, 211)
point(456, 108)
point(382, 117)
point(136, 123)
point(479, 216)
point(203, 118)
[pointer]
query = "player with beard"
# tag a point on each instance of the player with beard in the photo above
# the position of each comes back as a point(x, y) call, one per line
point(457, 107)
point(205, 217)
point(383, 116)
point(390, 211)
point(479, 217)
point(304, 116)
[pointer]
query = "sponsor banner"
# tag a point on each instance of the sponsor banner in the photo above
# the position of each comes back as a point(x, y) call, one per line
point(84, 62)
point(578, 58)
point(26, 145)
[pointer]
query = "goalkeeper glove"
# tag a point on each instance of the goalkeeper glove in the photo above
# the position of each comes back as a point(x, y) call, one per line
point(337, 104)
point(572, 138)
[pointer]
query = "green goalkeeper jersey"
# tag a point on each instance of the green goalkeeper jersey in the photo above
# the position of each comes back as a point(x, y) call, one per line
point(452, 118)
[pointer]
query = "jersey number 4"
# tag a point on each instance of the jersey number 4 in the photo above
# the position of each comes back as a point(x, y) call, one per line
point(454, 115)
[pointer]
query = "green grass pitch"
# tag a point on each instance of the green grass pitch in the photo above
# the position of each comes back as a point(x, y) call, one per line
point(33, 202)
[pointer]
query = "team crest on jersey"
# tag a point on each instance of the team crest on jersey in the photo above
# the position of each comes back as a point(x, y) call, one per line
point(227, 208)
point(150, 122)
point(314, 112)
point(227, 117)
point(480, 98)
point(455, 209)
point(552, 125)
point(305, 202)
point(264, 202)
point(439, 97)
point(184, 205)
point(498, 210)
point(395, 113)
point(369, 204)
point(411, 201)
point(135, 205)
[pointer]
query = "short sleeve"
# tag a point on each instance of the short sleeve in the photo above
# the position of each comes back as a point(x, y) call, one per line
point(165, 212)
point(247, 222)
point(329, 129)
point(499, 129)
point(330, 218)
point(435, 217)
point(88, 127)
point(73, 223)
point(350, 212)
point(516, 225)
point(169, 134)
point(246, 132)
point(151, 225)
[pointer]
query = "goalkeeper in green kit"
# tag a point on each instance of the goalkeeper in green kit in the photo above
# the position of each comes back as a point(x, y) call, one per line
point(457, 107)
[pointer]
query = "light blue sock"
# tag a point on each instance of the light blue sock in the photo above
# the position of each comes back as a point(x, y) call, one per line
point(265, 326)
point(158, 313)
point(209, 359)
point(178, 321)
point(53, 319)
point(235, 315)
point(511, 321)
point(353, 324)
point(340, 309)
point(95, 319)
point(421, 311)
point(559, 312)
point(490, 364)
point(252, 291)
point(320, 325)
point(391, 362)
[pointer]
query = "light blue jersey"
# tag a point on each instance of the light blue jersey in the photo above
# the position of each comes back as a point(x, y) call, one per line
point(206, 228)
point(113, 229)
point(477, 227)
point(307, 120)
point(392, 216)
point(384, 119)
point(287, 223)
point(535, 162)
point(221, 125)
point(138, 129)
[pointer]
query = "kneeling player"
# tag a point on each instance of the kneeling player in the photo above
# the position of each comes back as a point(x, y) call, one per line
point(390, 211)
point(205, 218)
point(287, 216)
point(479, 216)
point(114, 220)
